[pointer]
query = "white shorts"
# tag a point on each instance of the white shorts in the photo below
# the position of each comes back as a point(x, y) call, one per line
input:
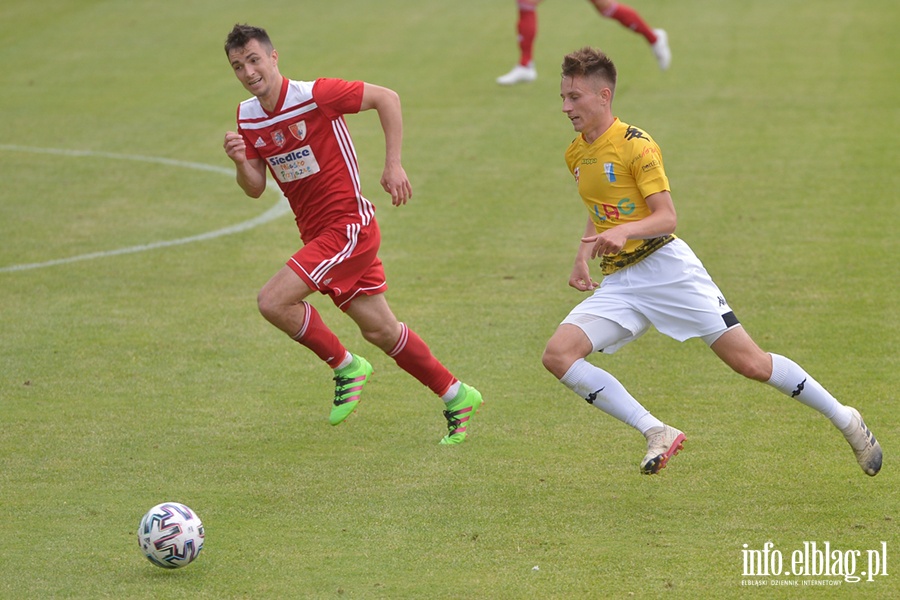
point(670, 290)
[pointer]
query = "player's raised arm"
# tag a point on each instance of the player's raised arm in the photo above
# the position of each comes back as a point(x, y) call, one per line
point(387, 103)
point(251, 173)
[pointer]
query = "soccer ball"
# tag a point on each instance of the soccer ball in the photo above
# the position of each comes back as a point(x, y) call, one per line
point(170, 535)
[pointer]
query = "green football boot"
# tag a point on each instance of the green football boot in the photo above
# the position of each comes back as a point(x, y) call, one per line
point(348, 385)
point(460, 412)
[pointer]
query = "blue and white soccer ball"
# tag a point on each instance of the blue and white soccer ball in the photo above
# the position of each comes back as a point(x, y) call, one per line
point(170, 535)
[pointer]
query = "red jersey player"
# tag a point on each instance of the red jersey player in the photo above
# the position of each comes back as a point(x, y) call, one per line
point(296, 130)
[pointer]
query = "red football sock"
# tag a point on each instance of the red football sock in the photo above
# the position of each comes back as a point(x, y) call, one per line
point(527, 28)
point(628, 17)
point(414, 357)
point(316, 336)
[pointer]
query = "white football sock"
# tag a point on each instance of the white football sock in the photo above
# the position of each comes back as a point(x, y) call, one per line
point(790, 379)
point(348, 358)
point(451, 392)
point(605, 392)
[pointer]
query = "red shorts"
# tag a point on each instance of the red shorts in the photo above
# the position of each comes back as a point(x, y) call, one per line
point(343, 263)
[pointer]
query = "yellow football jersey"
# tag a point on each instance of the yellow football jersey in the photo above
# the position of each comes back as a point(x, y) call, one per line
point(614, 175)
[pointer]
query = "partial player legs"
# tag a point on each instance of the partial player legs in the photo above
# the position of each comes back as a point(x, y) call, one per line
point(790, 379)
point(526, 28)
point(629, 18)
point(379, 326)
point(564, 357)
point(740, 352)
point(281, 303)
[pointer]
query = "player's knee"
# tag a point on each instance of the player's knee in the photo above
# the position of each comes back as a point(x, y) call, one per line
point(375, 337)
point(555, 361)
point(383, 337)
point(267, 305)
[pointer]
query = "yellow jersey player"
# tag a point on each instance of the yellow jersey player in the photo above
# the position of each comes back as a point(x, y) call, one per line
point(613, 200)
point(651, 277)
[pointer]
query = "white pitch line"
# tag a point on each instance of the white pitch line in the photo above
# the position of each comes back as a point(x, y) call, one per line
point(280, 207)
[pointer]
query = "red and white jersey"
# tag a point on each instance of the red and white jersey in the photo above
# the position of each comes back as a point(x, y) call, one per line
point(307, 147)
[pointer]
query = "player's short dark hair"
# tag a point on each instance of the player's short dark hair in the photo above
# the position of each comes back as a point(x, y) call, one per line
point(241, 35)
point(590, 62)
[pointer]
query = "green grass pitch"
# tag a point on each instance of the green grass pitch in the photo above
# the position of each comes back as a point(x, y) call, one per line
point(135, 378)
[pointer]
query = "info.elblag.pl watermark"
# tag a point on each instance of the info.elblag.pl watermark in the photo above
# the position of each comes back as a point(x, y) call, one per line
point(813, 564)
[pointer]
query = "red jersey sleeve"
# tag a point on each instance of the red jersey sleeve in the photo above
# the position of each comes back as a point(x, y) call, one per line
point(336, 97)
point(249, 150)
